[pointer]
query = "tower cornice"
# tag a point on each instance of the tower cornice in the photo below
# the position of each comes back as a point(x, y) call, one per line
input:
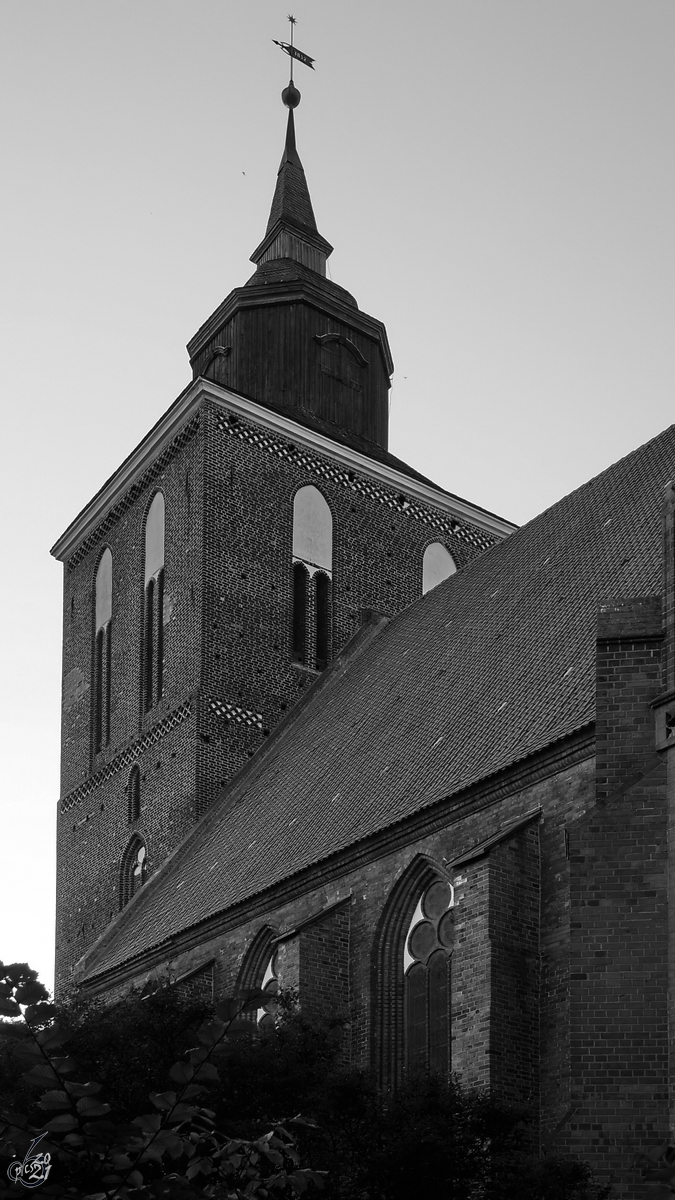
point(203, 391)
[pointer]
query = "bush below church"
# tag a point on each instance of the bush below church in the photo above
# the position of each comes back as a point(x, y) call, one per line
point(225, 1102)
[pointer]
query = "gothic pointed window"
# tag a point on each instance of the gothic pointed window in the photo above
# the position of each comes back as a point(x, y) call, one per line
point(133, 869)
point(102, 652)
point(266, 1014)
point(437, 565)
point(426, 971)
point(312, 578)
point(152, 655)
point(412, 952)
point(134, 794)
point(259, 970)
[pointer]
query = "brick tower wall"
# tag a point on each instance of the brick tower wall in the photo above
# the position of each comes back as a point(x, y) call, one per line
point(229, 676)
point(249, 679)
point(93, 826)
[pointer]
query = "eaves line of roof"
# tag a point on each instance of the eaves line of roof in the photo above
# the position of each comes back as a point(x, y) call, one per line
point(560, 754)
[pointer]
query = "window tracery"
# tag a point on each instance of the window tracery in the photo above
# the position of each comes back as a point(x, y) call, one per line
point(133, 870)
point(427, 954)
point(266, 1014)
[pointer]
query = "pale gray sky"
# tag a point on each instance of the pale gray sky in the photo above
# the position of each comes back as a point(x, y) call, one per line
point(496, 177)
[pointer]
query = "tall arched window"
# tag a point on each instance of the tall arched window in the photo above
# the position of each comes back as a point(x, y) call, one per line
point(133, 869)
point(312, 576)
point(134, 793)
point(152, 657)
point(437, 565)
point(411, 969)
point(426, 969)
point(102, 651)
point(259, 970)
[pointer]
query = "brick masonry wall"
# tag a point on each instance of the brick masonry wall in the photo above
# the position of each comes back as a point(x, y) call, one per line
point(618, 1011)
point(514, 918)
point(628, 678)
point(568, 797)
point(324, 964)
point(197, 987)
point(248, 555)
point(228, 553)
point(472, 977)
point(93, 828)
point(480, 977)
point(619, 934)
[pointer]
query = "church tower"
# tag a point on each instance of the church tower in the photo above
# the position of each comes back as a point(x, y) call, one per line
point(229, 559)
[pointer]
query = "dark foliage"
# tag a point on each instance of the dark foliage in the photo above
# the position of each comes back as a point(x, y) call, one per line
point(429, 1139)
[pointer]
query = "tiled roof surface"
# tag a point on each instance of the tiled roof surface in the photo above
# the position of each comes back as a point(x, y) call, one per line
point(488, 668)
point(291, 200)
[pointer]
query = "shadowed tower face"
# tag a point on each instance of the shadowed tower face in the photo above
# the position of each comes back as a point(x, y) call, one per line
point(291, 338)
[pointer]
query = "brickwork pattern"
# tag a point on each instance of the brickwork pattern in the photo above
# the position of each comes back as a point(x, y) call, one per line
point(472, 982)
point(628, 678)
point(514, 934)
point(619, 922)
point(324, 468)
point(93, 835)
point(137, 489)
point(228, 674)
point(127, 757)
point(91, 843)
point(324, 964)
point(250, 482)
point(196, 987)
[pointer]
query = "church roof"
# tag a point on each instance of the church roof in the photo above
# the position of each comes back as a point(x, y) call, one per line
point(485, 670)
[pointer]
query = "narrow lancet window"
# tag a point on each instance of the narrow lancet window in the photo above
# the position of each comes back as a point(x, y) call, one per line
point(133, 869)
point(102, 652)
point(152, 657)
point(134, 794)
point(312, 578)
point(300, 593)
point(322, 609)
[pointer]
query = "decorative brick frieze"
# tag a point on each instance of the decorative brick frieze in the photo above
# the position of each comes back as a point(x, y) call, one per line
point(127, 756)
point(323, 468)
point(145, 480)
point(226, 710)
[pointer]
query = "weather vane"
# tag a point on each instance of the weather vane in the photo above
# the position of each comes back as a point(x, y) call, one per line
point(292, 51)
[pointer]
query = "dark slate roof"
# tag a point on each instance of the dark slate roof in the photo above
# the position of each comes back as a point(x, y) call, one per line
point(490, 667)
point(291, 202)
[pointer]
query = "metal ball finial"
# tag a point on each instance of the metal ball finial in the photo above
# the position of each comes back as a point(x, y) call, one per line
point(291, 96)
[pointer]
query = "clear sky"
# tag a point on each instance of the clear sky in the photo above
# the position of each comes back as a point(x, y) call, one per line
point(497, 179)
